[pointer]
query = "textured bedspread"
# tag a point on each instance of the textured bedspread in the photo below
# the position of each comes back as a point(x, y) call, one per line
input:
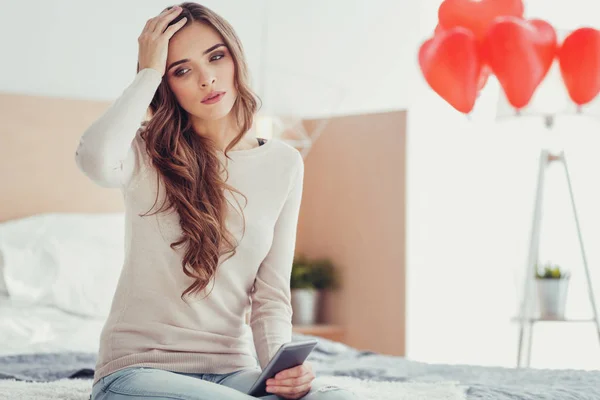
point(331, 358)
point(493, 383)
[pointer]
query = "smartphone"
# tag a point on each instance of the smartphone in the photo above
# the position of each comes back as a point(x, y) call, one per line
point(289, 355)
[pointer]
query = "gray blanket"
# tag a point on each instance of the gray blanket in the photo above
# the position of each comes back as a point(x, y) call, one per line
point(46, 367)
point(485, 383)
point(331, 358)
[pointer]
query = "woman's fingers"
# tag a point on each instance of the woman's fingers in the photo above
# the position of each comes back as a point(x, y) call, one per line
point(151, 23)
point(154, 40)
point(175, 27)
point(294, 381)
point(290, 386)
point(163, 19)
point(290, 392)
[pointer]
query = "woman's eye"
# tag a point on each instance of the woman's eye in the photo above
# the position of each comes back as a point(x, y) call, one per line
point(216, 57)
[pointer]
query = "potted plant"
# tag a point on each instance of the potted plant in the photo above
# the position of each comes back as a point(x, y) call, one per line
point(308, 280)
point(552, 284)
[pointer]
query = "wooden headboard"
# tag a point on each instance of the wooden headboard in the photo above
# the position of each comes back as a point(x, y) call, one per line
point(38, 139)
point(353, 212)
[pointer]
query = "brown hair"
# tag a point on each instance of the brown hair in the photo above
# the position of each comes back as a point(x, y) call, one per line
point(188, 163)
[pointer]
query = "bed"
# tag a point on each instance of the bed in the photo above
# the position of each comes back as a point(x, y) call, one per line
point(59, 271)
point(42, 344)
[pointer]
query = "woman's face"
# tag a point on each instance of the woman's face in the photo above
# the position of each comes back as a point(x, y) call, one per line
point(207, 67)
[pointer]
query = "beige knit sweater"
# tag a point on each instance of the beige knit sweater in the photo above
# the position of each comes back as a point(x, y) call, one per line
point(149, 325)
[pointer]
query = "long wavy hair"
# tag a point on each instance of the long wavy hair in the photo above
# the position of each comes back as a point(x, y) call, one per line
point(188, 164)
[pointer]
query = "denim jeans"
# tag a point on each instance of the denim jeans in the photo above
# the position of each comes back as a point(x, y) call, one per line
point(142, 382)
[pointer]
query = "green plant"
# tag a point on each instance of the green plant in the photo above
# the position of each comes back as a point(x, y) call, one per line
point(301, 271)
point(318, 274)
point(551, 272)
point(324, 275)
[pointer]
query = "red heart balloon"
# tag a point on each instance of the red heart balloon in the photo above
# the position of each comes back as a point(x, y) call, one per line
point(546, 42)
point(451, 66)
point(512, 50)
point(477, 15)
point(579, 58)
point(485, 70)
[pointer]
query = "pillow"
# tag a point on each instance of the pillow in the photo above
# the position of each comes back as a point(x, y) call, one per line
point(68, 260)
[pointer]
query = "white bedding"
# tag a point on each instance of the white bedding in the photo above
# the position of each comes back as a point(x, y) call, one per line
point(69, 260)
point(26, 329)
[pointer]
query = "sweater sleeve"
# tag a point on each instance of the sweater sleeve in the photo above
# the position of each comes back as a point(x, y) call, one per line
point(105, 153)
point(271, 316)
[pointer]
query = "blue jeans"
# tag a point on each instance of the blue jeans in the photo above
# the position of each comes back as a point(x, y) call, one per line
point(142, 382)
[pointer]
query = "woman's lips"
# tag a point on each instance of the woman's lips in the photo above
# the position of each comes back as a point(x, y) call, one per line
point(215, 99)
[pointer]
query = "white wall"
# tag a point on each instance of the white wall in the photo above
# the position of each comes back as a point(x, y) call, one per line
point(322, 57)
point(471, 185)
point(86, 49)
point(470, 181)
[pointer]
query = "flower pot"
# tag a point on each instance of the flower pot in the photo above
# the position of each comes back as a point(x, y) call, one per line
point(305, 303)
point(552, 297)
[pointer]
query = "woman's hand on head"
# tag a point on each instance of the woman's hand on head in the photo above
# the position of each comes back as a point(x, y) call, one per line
point(292, 383)
point(154, 40)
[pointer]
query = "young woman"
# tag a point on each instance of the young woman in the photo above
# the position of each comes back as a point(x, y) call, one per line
point(222, 240)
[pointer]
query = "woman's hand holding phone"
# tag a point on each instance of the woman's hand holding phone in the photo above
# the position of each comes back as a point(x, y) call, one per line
point(292, 383)
point(154, 40)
